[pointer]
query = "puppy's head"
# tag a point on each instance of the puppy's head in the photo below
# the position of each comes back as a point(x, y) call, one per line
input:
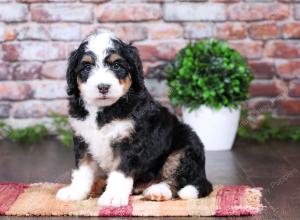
point(103, 69)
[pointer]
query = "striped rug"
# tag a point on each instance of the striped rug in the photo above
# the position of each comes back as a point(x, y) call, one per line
point(39, 200)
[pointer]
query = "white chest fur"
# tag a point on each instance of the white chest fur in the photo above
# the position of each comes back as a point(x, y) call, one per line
point(99, 140)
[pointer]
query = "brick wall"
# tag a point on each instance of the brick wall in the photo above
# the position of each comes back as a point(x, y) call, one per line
point(36, 37)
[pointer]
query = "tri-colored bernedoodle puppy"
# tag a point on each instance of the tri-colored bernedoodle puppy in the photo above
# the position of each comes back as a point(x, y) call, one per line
point(121, 131)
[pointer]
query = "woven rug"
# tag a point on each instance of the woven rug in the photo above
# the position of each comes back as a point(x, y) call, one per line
point(39, 200)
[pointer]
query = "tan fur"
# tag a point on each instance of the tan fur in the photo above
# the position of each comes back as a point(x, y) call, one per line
point(170, 167)
point(113, 57)
point(126, 82)
point(87, 59)
point(86, 159)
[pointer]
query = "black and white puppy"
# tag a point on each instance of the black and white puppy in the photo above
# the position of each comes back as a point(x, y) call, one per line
point(119, 129)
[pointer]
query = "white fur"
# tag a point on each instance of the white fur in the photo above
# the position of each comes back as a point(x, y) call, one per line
point(99, 140)
point(90, 92)
point(98, 44)
point(117, 191)
point(160, 190)
point(82, 182)
point(188, 192)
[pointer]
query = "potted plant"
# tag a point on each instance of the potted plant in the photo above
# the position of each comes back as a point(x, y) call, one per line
point(211, 81)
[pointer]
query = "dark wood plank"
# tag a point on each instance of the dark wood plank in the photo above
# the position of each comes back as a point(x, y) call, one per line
point(222, 168)
point(257, 160)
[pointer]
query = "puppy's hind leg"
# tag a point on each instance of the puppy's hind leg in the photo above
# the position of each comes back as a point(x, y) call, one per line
point(167, 187)
point(82, 182)
point(158, 192)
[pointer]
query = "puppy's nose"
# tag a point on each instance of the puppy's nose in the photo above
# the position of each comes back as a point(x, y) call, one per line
point(103, 88)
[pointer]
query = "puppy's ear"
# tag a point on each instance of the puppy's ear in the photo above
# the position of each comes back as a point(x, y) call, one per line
point(72, 87)
point(136, 67)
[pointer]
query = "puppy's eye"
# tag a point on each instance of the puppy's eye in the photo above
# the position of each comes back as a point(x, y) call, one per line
point(87, 68)
point(116, 66)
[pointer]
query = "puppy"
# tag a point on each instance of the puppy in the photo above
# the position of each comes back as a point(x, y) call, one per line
point(121, 131)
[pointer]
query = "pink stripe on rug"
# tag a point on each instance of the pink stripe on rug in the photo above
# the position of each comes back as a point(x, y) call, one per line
point(9, 192)
point(123, 211)
point(229, 201)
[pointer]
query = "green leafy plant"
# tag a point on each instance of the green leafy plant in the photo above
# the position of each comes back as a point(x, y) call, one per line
point(64, 133)
point(208, 73)
point(269, 128)
point(31, 134)
point(27, 135)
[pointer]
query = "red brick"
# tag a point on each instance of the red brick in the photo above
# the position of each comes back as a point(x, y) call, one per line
point(294, 88)
point(31, 51)
point(282, 49)
point(262, 69)
point(97, 1)
point(194, 12)
point(159, 50)
point(14, 91)
point(154, 70)
point(5, 71)
point(31, 1)
point(231, 31)
point(54, 70)
point(291, 30)
point(65, 31)
point(13, 12)
point(258, 11)
point(264, 31)
point(164, 31)
point(225, 1)
point(38, 109)
point(288, 107)
point(264, 88)
point(130, 32)
point(27, 71)
point(198, 30)
point(62, 12)
point(288, 69)
point(297, 11)
point(48, 89)
point(259, 105)
point(33, 32)
point(7, 33)
point(286, 1)
point(5, 109)
point(127, 12)
point(250, 50)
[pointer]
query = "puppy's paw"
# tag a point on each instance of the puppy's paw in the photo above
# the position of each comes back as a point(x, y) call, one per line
point(115, 199)
point(70, 193)
point(158, 192)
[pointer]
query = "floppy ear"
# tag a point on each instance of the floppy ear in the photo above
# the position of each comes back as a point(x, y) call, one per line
point(136, 67)
point(72, 87)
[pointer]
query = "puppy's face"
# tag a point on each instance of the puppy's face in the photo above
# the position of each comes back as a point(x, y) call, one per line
point(104, 69)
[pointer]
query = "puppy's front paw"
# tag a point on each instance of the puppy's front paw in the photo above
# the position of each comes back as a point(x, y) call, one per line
point(115, 199)
point(70, 193)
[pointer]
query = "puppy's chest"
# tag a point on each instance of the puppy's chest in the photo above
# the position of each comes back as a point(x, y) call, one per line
point(100, 139)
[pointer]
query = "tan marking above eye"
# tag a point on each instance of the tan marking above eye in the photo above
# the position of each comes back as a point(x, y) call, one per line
point(87, 59)
point(113, 57)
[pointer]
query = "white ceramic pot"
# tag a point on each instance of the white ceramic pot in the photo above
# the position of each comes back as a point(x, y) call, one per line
point(216, 128)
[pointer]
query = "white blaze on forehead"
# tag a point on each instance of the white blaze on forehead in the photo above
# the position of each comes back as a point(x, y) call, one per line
point(99, 43)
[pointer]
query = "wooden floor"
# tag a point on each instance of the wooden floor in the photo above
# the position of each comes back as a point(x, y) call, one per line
point(274, 166)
